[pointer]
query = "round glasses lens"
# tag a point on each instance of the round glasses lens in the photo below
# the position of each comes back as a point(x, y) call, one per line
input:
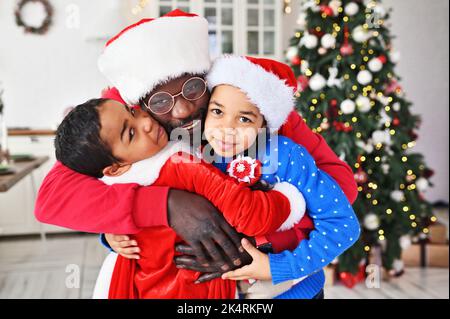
point(160, 102)
point(194, 89)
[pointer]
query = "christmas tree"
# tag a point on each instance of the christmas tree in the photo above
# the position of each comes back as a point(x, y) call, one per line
point(349, 92)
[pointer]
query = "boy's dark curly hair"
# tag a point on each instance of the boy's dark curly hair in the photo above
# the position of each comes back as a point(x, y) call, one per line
point(78, 144)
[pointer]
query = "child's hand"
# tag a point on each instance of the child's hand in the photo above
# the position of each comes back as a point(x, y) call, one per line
point(258, 269)
point(122, 245)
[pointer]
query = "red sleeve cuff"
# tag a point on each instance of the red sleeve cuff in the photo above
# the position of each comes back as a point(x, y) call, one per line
point(286, 240)
point(290, 239)
point(150, 206)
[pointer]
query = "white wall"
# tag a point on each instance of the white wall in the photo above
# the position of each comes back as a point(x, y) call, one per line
point(422, 29)
point(42, 75)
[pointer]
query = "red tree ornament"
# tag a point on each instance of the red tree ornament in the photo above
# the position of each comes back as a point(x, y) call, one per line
point(327, 10)
point(341, 127)
point(392, 87)
point(361, 177)
point(382, 59)
point(303, 82)
point(346, 49)
point(396, 121)
point(428, 173)
point(296, 61)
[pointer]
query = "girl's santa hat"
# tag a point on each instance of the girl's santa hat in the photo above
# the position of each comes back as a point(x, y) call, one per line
point(268, 84)
point(154, 51)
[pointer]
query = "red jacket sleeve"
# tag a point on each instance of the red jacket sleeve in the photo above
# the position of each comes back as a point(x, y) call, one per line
point(253, 213)
point(72, 200)
point(289, 239)
point(297, 130)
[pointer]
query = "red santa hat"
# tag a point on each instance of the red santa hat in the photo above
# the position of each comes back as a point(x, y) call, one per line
point(268, 84)
point(154, 51)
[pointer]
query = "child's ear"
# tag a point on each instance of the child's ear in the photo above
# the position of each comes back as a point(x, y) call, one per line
point(116, 170)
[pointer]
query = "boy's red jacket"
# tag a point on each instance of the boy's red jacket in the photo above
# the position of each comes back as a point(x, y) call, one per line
point(155, 275)
point(80, 202)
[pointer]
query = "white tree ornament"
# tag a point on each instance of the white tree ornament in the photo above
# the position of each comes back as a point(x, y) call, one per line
point(328, 41)
point(381, 137)
point(351, 9)
point(422, 184)
point(310, 41)
point(397, 196)
point(317, 82)
point(335, 5)
point(405, 242)
point(396, 106)
point(364, 77)
point(371, 221)
point(375, 65)
point(363, 103)
point(348, 106)
point(333, 80)
point(360, 34)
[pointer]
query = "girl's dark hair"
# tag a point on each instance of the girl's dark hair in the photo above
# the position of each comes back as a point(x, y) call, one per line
point(78, 144)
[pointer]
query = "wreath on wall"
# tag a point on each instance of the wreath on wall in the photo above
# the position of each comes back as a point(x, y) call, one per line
point(42, 24)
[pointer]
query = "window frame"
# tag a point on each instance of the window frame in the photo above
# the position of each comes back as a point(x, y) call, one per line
point(239, 27)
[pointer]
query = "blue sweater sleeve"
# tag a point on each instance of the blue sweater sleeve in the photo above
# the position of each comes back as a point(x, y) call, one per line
point(336, 226)
point(104, 242)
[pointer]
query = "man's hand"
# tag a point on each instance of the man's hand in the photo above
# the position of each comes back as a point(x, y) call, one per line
point(214, 270)
point(213, 242)
point(259, 269)
point(122, 245)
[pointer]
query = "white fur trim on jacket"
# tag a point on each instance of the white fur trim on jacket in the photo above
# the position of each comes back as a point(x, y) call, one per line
point(153, 53)
point(297, 201)
point(101, 289)
point(146, 172)
point(267, 91)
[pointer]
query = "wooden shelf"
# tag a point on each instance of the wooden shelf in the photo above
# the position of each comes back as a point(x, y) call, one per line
point(22, 169)
point(30, 132)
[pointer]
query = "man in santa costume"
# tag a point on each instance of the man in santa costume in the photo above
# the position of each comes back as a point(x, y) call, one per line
point(147, 58)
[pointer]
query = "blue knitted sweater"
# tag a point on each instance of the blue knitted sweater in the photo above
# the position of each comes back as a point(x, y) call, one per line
point(336, 227)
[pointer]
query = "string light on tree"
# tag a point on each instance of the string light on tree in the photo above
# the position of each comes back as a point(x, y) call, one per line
point(139, 7)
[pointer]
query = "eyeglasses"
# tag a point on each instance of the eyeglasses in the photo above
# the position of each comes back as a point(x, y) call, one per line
point(163, 102)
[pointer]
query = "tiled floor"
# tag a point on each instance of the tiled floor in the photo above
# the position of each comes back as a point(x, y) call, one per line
point(416, 283)
point(31, 269)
